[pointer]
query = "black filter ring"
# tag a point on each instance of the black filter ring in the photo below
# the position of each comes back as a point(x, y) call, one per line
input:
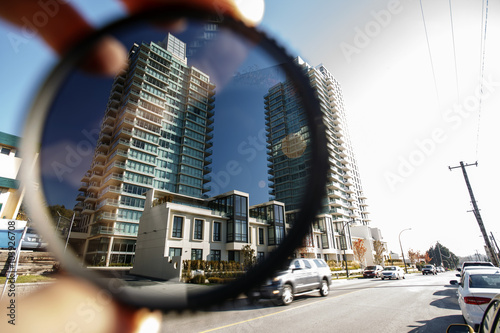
point(312, 200)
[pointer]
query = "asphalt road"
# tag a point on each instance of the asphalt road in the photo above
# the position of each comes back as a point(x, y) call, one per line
point(417, 304)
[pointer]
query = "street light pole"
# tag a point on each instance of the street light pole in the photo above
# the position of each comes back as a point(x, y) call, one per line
point(401, 246)
point(344, 247)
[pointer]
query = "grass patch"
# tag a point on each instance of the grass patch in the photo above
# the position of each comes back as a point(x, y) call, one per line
point(29, 279)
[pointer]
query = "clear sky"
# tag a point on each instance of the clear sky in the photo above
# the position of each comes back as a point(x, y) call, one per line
point(406, 126)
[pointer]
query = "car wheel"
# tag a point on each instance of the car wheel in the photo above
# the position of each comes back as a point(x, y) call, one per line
point(324, 290)
point(252, 300)
point(287, 295)
point(404, 277)
point(383, 278)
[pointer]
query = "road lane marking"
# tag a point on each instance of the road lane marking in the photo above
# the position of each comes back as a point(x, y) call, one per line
point(275, 313)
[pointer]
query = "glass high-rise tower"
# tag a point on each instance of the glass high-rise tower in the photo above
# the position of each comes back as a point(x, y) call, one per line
point(156, 133)
point(287, 134)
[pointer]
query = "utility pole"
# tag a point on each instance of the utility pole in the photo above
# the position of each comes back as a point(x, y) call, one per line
point(493, 255)
point(494, 241)
point(440, 256)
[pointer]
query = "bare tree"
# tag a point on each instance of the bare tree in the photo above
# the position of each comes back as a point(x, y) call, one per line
point(413, 255)
point(379, 248)
point(359, 249)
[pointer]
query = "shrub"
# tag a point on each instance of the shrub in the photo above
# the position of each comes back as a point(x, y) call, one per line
point(198, 279)
point(214, 279)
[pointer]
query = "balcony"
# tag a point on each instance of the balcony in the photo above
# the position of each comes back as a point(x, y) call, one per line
point(90, 198)
point(102, 230)
point(95, 176)
point(88, 209)
point(115, 166)
point(108, 204)
point(86, 176)
point(124, 133)
point(78, 207)
point(83, 187)
point(121, 143)
point(113, 179)
point(80, 196)
point(110, 192)
point(118, 155)
point(97, 165)
point(106, 217)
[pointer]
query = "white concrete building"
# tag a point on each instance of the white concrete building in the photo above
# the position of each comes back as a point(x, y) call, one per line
point(10, 194)
point(177, 227)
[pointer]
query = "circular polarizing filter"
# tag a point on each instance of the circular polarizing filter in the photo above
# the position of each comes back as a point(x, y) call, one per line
point(204, 159)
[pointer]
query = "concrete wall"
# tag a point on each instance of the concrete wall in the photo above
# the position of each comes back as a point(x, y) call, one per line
point(151, 251)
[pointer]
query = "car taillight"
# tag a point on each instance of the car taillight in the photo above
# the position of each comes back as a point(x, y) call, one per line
point(476, 300)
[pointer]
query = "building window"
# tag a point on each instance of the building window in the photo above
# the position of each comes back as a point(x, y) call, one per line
point(177, 227)
point(217, 231)
point(237, 231)
point(198, 229)
point(260, 256)
point(123, 245)
point(261, 236)
point(233, 256)
point(5, 151)
point(174, 252)
point(196, 254)
point(215, 255)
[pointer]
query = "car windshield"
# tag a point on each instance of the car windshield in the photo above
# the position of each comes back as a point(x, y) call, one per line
point(390, 268)
point(484, 281)
point(370, 268)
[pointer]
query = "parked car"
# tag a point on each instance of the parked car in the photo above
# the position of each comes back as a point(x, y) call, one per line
point(32, 241)
point(475, 263)
point(471, 268)
point(372, 271)
point(440, 269)
point(490, 323)
point(393, 272)
point(429, 269)
point(297, 276)
point(475, 290)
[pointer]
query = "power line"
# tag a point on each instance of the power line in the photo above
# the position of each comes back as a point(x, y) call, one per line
point(454, 51)
point(430, 54)
point(484, 22)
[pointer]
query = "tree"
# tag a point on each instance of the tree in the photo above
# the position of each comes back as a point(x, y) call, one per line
point(248, 254)
point(428, 258)
point(413, 256)
point(68, 213)
point(441, 255)
point(379, 248)
point(359, 250)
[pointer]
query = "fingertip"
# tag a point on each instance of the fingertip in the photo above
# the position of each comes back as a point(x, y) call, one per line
point(108, 57)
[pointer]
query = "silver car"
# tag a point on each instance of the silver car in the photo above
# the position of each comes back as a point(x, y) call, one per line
point(297, 276)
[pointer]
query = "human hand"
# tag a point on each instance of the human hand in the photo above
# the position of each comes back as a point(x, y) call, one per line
point(61, 26)
point(70, 304)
